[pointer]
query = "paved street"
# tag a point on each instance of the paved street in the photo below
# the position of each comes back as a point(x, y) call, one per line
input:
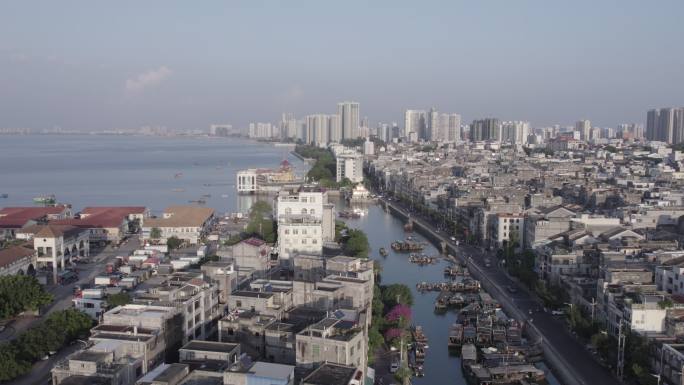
point(40, 373)
point(552, 329)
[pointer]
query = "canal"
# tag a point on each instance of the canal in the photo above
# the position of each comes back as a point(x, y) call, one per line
point(382, 228)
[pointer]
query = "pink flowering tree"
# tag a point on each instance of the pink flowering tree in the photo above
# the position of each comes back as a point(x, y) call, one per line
point(399, 315)
point(393, 333)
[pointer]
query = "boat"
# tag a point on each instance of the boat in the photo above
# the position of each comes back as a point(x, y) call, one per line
point(455, 336)
point(206, 196)
point(224, 195)
point(383, 252)
point(406, 246)
point(4, 195)
point(349, 214)
point(419, 335)
point(178, 175)
point(468, 354)
point(45, 199)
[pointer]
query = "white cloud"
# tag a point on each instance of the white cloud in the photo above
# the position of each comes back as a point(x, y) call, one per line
point(147, 79)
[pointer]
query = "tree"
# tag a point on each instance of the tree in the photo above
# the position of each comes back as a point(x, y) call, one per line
point(261, 224)
point(397, 293)
point(356, 244)
point(155, 233)
point(119, 299)
point(19, 293)
point(174, 243)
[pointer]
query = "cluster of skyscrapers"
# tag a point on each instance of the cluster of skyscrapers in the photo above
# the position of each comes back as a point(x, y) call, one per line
point(432, 126)
point(665, 125)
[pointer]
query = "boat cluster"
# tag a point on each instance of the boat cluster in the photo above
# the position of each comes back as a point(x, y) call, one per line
point(407, 246)
point(491, 345)
point(460, 285)
point(422, 259)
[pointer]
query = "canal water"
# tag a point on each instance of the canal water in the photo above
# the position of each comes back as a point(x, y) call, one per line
point(382, 228)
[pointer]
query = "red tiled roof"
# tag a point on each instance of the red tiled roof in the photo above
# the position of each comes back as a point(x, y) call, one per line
point(124, 210)
point(101, 217)
point(14, 253)
point(17, 217)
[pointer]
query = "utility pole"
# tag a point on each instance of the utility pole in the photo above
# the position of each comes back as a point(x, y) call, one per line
point(593, 309)
point(621, 352)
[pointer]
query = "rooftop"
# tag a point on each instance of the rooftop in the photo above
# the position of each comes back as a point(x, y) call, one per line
point(210, 346)
point(330, 374)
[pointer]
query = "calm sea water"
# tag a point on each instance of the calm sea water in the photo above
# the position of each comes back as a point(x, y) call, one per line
point(87, 170)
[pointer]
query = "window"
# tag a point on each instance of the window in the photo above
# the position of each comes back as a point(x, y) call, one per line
point(315, 351)
point(312, 211)
point(288, 211)
point(304, 211)
point(303, 241)
point(238, 303)
point(287, 231)
point(314, 241)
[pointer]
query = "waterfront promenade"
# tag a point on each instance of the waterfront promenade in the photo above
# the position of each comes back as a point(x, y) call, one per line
point(572, 363)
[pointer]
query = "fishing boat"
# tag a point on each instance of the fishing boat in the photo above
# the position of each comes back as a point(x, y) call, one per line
point(45, 199)
point(383, 252)
point(419, 335)
point(4, 195)
point(455, 336)
point(406, 246)
point(349, 214)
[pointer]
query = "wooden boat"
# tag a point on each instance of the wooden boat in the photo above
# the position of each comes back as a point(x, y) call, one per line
point(455, 336)
point(406, 246)
point(383, 252)
point(419, 335)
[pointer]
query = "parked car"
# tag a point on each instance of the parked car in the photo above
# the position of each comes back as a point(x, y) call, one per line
point(394, 367)
point(557, 312)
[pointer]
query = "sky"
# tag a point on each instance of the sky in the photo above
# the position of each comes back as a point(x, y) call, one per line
point(90, 65)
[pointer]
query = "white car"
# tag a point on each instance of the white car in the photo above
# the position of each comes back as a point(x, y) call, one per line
point(394, 367)
point(557, 312)
point(453, 239)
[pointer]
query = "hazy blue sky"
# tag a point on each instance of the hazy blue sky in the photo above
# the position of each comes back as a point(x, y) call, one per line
point(186, 64)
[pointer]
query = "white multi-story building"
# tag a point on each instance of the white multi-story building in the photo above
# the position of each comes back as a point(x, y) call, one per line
point(508, 227)
point(414, 122)
point(299, 234)
point(368, 147)
point(350, 166)
point(584, 127)
point(301, 203)
point(454, 128)
point(349, 119)
point(515, 132)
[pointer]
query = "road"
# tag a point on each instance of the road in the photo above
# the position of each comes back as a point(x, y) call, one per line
point(40, 373)
point(585, 369)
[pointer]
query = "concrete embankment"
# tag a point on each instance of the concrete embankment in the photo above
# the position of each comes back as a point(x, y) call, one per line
point(555, 360)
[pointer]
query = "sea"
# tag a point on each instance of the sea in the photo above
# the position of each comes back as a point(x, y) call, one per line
point(112, 170)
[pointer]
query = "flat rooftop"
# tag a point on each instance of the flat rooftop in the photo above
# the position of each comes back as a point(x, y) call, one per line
point(252, 294)
point(330, 374)
point(210, 346)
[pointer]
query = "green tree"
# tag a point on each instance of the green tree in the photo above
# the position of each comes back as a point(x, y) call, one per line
point(118, 299)
point(396, 293)
point(174, 243)
point(19, 293)
point(356, 244)
point(261, 223)
point(155, 233)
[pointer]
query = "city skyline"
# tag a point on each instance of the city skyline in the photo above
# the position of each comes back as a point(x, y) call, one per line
point(195, 69)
